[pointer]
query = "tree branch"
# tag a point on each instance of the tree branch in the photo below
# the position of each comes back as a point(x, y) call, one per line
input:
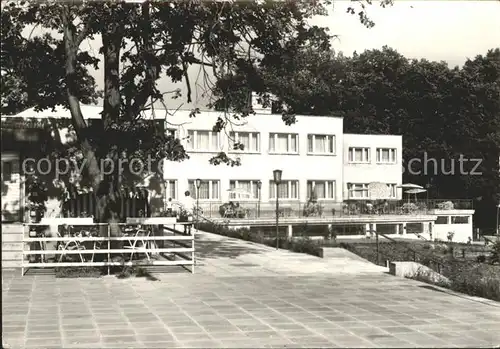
point(151, 69)
point(186, 77)
point(83, 34)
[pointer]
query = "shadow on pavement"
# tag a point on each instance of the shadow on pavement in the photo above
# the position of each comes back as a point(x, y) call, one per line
point(224, 248)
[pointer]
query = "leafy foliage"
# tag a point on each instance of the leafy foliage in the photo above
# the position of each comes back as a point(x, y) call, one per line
point(495, 253)
point(140, 44)
point(441, 112)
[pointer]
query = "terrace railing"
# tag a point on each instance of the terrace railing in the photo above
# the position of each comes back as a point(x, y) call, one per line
point(84, 245)
point(457, 204)
point(325, 209)
point(132, 204)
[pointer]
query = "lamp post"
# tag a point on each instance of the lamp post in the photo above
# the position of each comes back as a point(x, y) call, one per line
point(498, 227)
point(428, 187)
point(259, 186)
point(198, 184)
point(277, 180)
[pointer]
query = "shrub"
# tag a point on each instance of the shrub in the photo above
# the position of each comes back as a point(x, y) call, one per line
point(450, 236)
point(495, 253)
point(447, 205)
point(78, 272)
point(136, 271)
point(475, 279)
point(302, 245)
point(313, 209)
point(409, 207)
point(481, 258)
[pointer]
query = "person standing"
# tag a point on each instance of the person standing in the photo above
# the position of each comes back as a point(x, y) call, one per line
point(188, 211)
point(170, 208)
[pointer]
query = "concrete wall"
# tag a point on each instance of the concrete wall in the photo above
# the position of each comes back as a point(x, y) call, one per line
point(372, 171)
point(462, 231)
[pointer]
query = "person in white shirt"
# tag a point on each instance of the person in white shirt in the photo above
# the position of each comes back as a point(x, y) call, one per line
point(188, 202)
point(170, 207)
point(188, 206)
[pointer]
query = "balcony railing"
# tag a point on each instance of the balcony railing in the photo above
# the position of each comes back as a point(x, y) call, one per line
point(267, 210)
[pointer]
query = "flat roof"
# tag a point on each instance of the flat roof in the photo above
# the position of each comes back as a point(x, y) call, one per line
point(94, 112)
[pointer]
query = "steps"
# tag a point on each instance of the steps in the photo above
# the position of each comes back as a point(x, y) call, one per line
point(12, 245)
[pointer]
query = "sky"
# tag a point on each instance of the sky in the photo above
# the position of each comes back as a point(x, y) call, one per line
point(450, 31)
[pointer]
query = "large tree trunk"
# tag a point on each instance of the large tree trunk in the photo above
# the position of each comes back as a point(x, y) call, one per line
point(101, 185)
point(71, 50)
point(112, 38)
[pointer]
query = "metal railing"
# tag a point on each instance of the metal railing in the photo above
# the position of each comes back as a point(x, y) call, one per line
point(457, 204)
point(325, 209)
point(412, 254)
point(85, 204)
point(83, 245)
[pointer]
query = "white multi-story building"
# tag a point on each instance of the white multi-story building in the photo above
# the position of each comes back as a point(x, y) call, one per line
point(314, 153)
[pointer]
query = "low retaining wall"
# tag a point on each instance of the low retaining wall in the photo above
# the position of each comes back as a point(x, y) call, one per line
point(414, 269)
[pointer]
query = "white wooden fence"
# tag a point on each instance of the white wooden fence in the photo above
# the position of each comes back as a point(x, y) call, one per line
point(143, 240)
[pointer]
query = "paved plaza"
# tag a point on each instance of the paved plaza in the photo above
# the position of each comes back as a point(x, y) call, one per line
point(244, 295)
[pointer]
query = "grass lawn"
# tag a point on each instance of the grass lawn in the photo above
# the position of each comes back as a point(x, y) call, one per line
point(466, 275)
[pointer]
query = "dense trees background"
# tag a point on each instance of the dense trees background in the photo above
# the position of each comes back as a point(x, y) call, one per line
point(266, 47)
point(442, 112)
point(141, 42)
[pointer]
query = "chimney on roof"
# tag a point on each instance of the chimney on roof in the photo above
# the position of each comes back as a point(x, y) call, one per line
point(257, 107)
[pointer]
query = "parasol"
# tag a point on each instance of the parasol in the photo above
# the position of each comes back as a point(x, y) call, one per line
point(415, 191)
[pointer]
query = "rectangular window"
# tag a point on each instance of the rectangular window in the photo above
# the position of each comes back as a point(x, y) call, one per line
point(209, 189)
point(386, 155)
point(359, 155)
point(323, 189)
point(249, 140)
point(286, 190)
point(357, 190)
point(392, 190)
point(171, 189)
point(459, 219)
point(321, 144)
point(442, 220)
point(203, 140)
point(284, 143)
point(244, 190)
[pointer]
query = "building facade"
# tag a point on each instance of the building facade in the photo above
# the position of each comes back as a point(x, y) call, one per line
point(313, 153)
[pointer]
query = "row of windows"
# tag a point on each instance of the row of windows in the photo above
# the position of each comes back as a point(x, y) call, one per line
point(454, 220)
point(362, 191)
point(288, 189)
point(363, 155)
point(282, 143)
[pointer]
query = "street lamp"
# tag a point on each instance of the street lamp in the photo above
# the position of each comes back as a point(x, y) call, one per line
point(277, 180)
point(498, 227)
point(198, 184)
point(259, 186)
point(428, 187)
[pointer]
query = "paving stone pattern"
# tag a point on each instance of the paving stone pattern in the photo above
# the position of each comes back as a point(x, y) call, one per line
point(242, 296)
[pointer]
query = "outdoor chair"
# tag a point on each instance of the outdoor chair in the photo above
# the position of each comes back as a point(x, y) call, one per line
point(70, 245)
point(137, 245)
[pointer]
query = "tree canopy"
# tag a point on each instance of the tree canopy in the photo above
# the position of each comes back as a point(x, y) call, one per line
point(442, 112)
point(141, 43)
